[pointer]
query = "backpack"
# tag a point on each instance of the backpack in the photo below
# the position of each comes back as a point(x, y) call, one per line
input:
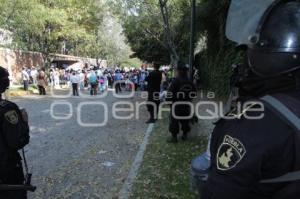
point(101, 80)
point(93, 78)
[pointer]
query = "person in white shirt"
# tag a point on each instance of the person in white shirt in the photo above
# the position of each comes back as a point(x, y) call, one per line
point(56, 78)
point(75, 80)
point(34, 74)
point(82, 78)
point(25, 78)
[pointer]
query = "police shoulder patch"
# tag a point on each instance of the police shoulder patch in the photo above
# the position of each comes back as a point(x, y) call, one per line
point(12, 117)
point(230, 153)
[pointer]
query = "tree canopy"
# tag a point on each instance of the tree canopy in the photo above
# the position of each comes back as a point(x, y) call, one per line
point(77, 27)
point(159, 30)
point(156, 30)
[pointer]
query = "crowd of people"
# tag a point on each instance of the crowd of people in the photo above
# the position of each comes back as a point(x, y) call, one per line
point(94, 79)
point(98, 80)
point(35, 77)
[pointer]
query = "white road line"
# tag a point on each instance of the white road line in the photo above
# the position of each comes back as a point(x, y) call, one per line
point(46, 111)
point(126, 189)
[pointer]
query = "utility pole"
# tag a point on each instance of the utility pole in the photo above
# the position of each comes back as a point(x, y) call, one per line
point(192, 36)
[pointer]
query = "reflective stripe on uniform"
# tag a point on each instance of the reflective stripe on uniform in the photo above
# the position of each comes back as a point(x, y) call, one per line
point(283, 110)
point(294, 121)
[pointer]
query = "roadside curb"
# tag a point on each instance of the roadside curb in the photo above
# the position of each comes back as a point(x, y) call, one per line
point(126, 189)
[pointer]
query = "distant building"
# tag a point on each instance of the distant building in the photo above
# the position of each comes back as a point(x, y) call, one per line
point(5, 37)
point(64, 61)
point(14, 60)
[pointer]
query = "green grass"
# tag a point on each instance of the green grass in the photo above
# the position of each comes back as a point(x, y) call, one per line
point(164, 173)
point(19, 91)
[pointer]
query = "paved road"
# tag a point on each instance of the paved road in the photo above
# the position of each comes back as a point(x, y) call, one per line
point(71, 161)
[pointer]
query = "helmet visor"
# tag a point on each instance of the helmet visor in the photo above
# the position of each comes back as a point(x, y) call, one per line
point(243, 19)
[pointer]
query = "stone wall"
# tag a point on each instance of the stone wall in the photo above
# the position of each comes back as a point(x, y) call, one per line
point(13, 61)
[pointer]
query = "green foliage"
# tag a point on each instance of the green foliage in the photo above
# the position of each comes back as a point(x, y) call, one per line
point(133, 62)
point(215, 69)
point(144, 28)
point(145, 32)
point(90, 28)
point(77, 27)
point(215, 60)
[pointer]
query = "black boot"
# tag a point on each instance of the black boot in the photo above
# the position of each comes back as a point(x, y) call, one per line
point(184, 136)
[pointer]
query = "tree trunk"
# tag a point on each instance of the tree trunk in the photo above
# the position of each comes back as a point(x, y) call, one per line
point(47, 60)
point(174, 61)
point(171, 47)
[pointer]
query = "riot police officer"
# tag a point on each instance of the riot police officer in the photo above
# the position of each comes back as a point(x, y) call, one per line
point(181, 92)
point(260, 158)
point(14, 135)
point(153, 80)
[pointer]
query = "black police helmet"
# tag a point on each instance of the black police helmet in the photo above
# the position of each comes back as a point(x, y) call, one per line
point(182, 66)
point(276, 47)
point(4, 81)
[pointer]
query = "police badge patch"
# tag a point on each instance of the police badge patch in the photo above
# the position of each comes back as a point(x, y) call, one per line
point(230, 153)
point(12, 117)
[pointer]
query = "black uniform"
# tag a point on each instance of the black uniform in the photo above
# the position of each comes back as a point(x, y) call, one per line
point(180, 90)
point(248, 152)
point(154, 82)
point(244, 152)
point(14, 135)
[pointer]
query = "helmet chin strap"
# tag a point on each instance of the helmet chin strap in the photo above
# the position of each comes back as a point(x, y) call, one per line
point(283, 73)
point(257, 84)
